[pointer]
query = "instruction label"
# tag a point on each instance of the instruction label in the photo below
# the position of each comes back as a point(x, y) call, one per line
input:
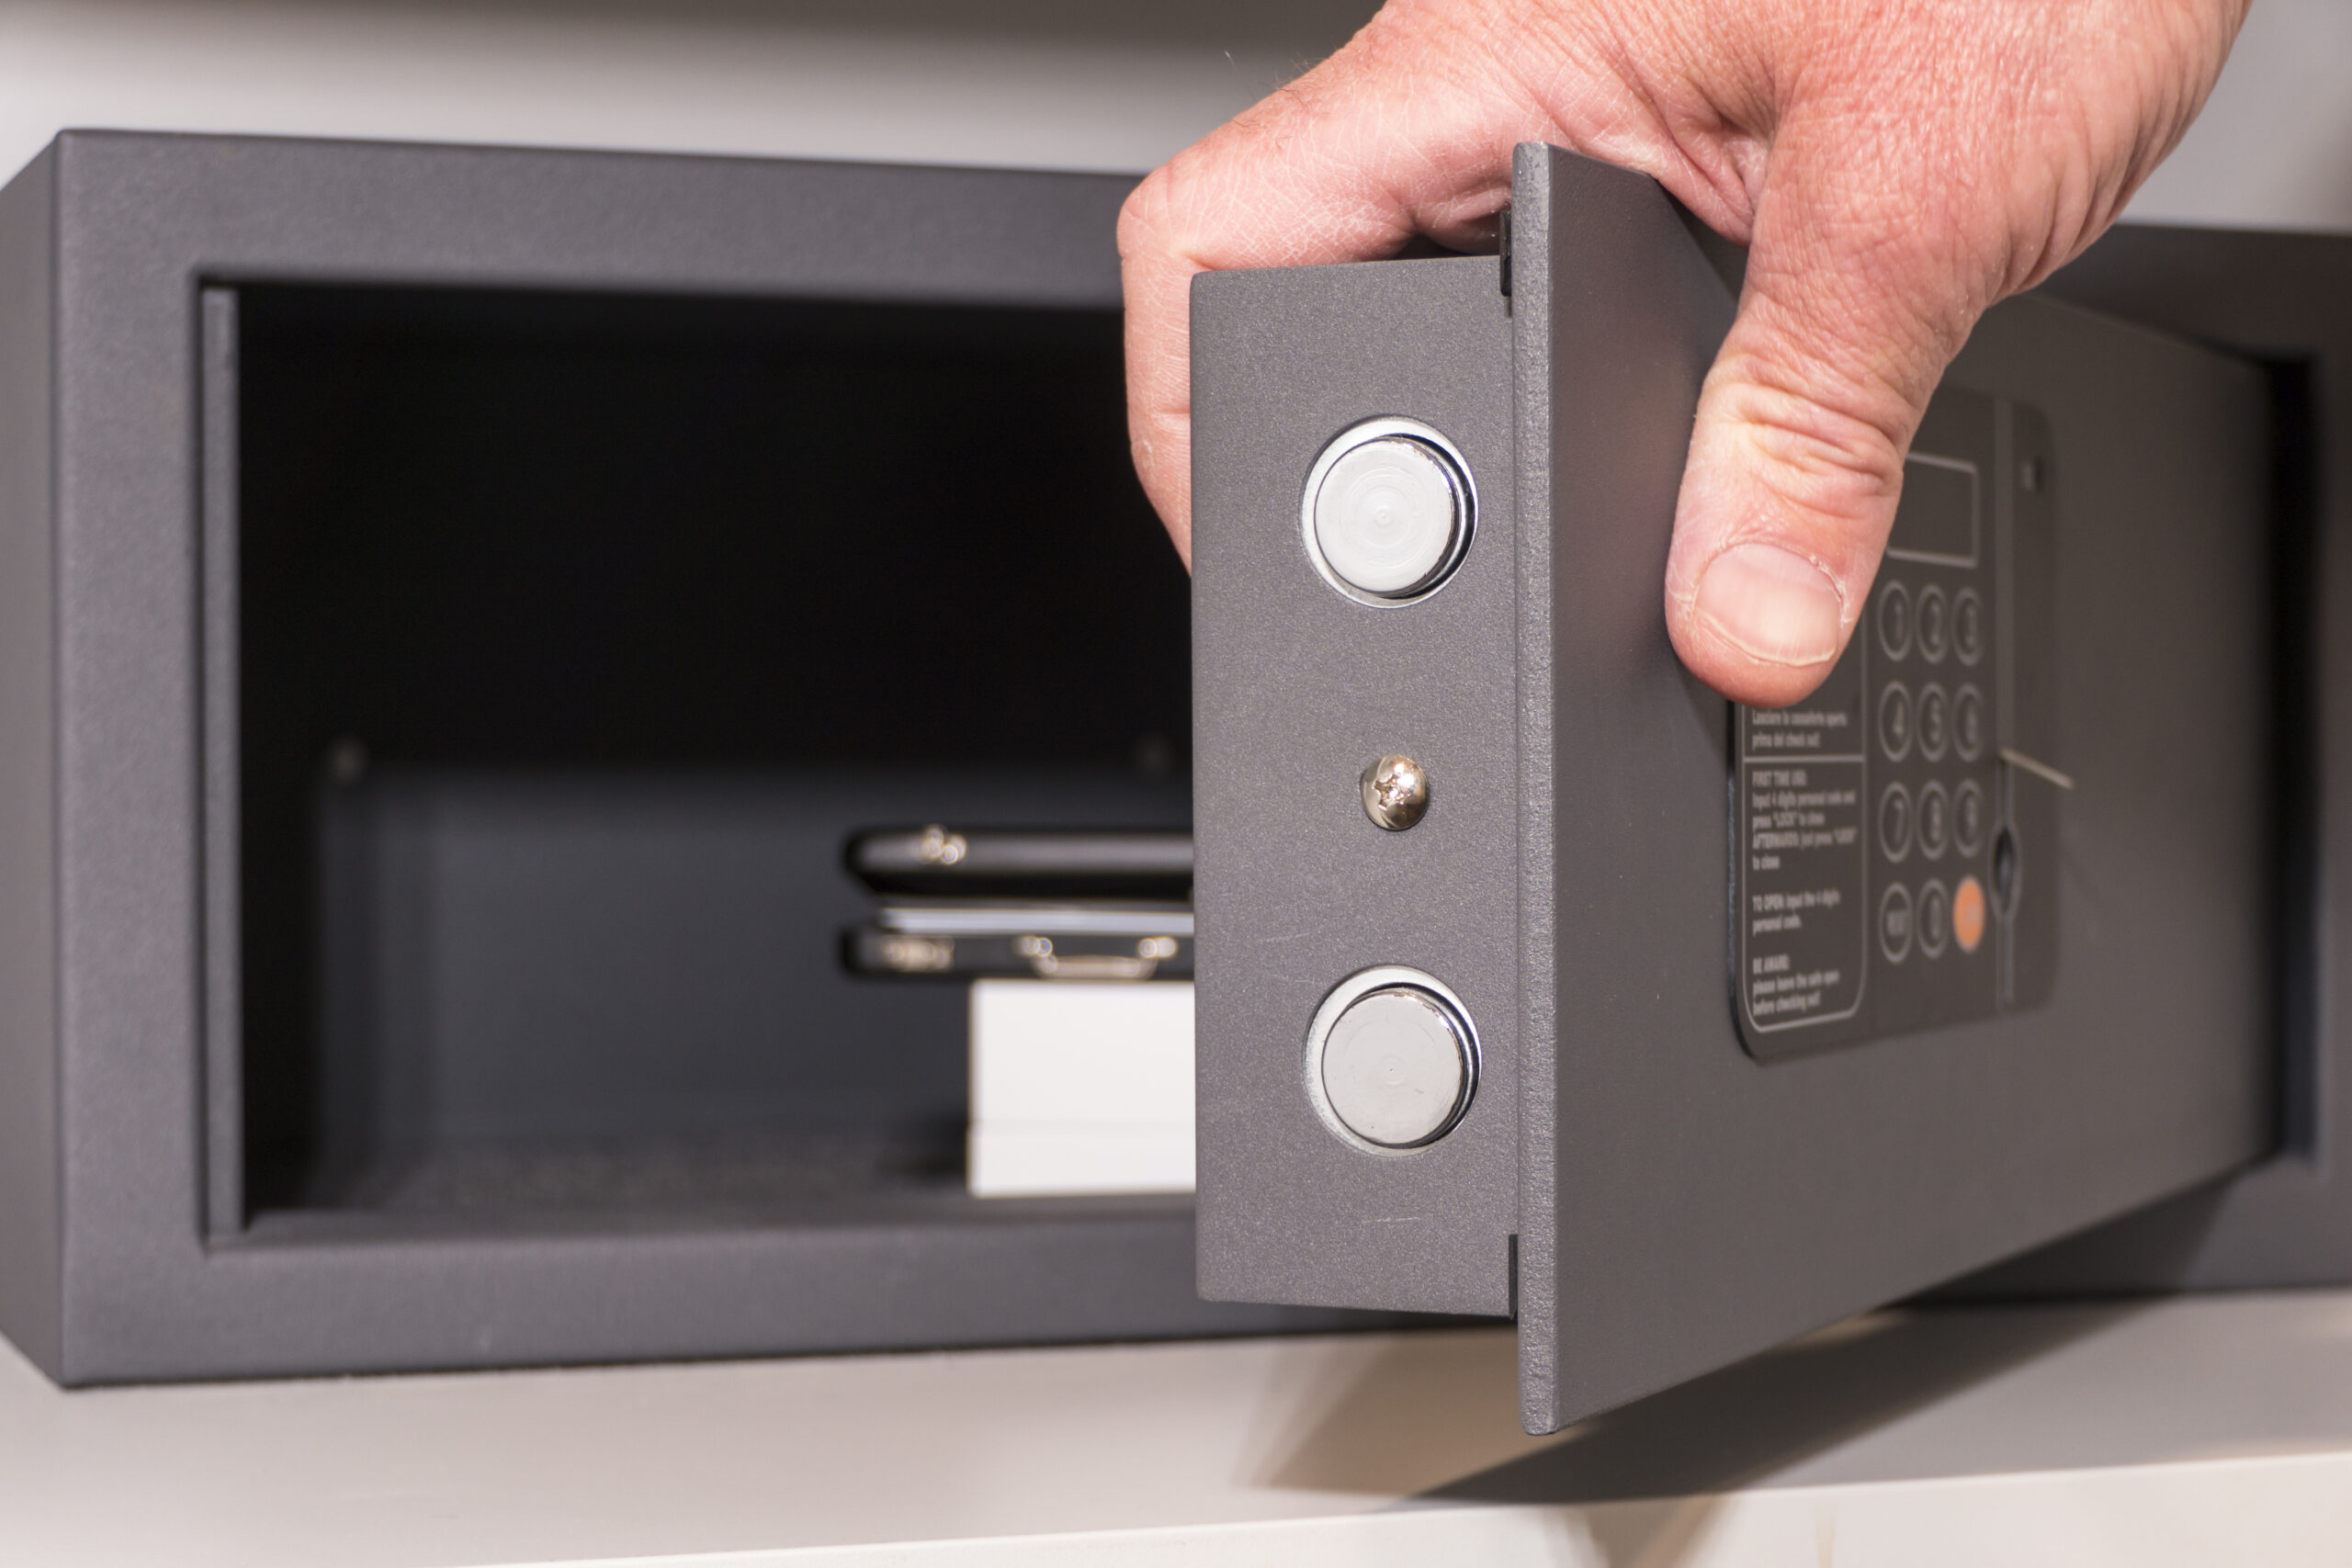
point(1803, 906)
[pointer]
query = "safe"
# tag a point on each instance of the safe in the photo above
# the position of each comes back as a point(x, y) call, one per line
point(562, 716)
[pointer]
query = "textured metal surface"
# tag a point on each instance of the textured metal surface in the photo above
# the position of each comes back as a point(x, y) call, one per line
point(2287, 298)
point(498, 952)
point(223, 1068)
point(1296, 688)
point(139, 221)
point(30, 1241)
point(1684, 1205)
point(1623, 757)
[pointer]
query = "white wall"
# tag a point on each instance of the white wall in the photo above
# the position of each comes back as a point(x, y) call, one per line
point(2274, 146)
point(1073, 84)
point(1105, 84)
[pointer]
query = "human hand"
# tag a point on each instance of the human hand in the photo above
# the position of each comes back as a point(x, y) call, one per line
point(1894, 166)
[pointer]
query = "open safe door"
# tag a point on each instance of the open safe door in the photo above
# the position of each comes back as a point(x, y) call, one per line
point(1534, 979)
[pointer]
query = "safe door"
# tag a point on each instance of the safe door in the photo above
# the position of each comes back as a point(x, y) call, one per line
point(1534, 979)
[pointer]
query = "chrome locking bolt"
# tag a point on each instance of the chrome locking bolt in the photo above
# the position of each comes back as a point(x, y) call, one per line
point(1388, 512)
point(1392, 1061)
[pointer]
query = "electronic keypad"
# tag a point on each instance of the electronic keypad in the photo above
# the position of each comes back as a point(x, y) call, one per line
point(1889, 830)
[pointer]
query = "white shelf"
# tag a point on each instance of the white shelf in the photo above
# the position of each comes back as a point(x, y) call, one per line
point(2199, 1430)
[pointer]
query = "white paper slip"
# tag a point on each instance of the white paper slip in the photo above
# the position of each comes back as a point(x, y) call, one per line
point(1081, 1089)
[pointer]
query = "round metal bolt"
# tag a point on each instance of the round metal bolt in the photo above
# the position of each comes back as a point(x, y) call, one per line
point(1388, 511)
point(1386, 514)
point(1395, 792)
point(1397, 1067)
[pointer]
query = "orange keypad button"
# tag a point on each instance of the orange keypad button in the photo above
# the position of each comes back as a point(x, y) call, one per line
point(1967, 913)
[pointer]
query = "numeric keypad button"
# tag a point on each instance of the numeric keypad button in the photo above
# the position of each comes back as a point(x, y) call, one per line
point(1932, 624)
point(1894, 721)
point(1895, 822)
point(1967, 626)
point(1968, 818)
point(1967, 913)
point(1935, 821)
point(1934, 723)
point(1968, 724)
point(1894, 620)
point(1935, 919)
point(1894, 923)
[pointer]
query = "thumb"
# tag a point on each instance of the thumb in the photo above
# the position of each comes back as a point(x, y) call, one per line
point(1796, 458)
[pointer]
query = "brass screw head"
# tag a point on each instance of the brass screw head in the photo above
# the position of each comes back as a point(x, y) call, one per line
point(1395, 792)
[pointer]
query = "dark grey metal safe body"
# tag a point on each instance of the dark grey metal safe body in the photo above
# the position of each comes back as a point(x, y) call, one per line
point(136, 1241)
point(1648, 1197)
